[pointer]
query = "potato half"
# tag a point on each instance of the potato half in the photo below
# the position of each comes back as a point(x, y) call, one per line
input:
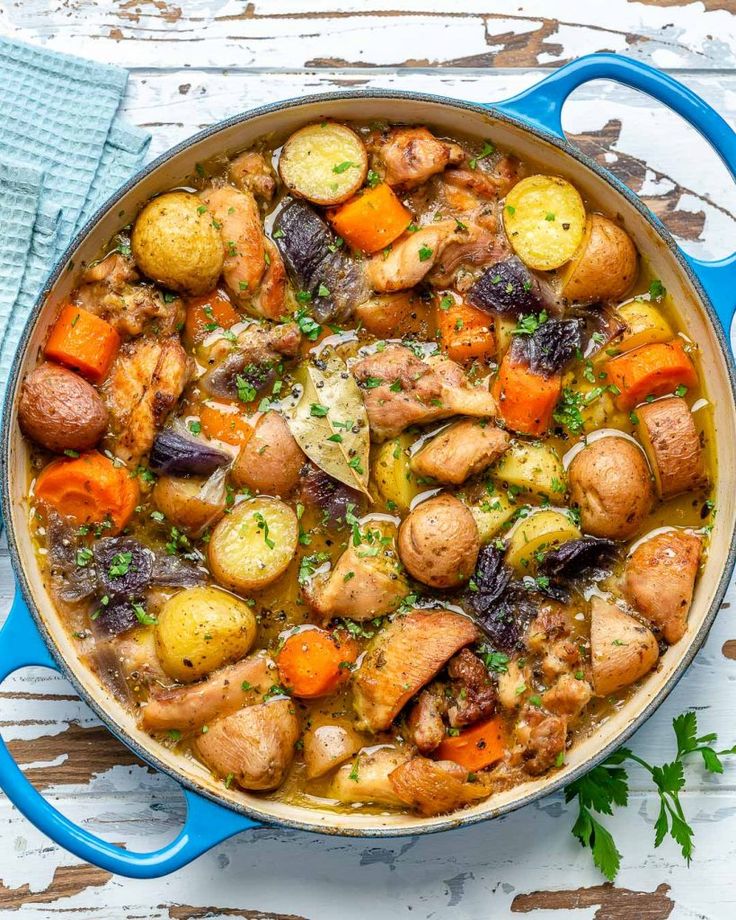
point(538, 534)
point(251, 547)
point(325, 163)
point(544, 218)
point(604, 266)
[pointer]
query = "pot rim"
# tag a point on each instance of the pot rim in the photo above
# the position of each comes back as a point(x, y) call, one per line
point(65, 263)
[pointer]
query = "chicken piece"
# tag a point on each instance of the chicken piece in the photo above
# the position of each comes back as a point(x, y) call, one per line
point(255, 745)
point(144, 385)
point(238, 219)
point(464, 449)
point(548, 635)
point(363, 586)
point(411, 155)
point(471, 247)
point(404, 656)
point(270, 299)
point(568, 697)
point(113, 291)
point(135, 652)
point(250, 172)
point(365, 779)
point(425, 725)
point(254, 354)
point(659, 578)
point(473, 690)
point(544, 738)
point(434, 787)
point(187, 709)
point(429, 389)
point(490, 181)
point(411, 258)
point(512, 683)
point(562, 657)
point(327, 747)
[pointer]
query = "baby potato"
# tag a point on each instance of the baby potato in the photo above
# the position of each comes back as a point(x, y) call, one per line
point(611, 484)
point(200, 630)
point(605, 264)
point(671, 441)
point(393, 476)
point(538, 533)
point(490, 514)
point(191, 504)
point(531, 468)
point(59, 410)
point(176, 244)
point(251, 547)
point(645, 325)
point(544, 218)
point(271, 459)
point(325, 163)
point(439, 542)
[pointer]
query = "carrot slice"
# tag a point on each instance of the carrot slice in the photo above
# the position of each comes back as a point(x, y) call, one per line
point(466, 332)
point(371, 220)
point(314, 662)
point(476, 747)
point(226, 424)
point(89, 489)
point(651, 370)
point(525, 400)
point(207, 312)
point(84, 342)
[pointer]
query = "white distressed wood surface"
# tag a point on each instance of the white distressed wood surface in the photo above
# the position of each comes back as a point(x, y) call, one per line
point(193, 63)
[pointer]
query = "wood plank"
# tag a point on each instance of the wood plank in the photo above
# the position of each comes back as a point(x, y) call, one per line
point(281, 34)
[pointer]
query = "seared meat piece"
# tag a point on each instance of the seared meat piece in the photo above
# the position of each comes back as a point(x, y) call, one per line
point(488, 180)
point(659, 578)
point(464, 449)
point(429, 390)
point(549, 635)
point(250, 172)
point(472, 688)
point(113, 291)
point(404, 656)
point(425, 725)
point(433, 787)
point(366, 778)
point(363, 586)
point(188, 708)
point(545, 738)
point(270, 300)
point(254, 745)
point(144, 384)
point(568, 697)
point(411, 155)
point(238, 219)
point(258, 349)
point(467, 249)
point(412, 257)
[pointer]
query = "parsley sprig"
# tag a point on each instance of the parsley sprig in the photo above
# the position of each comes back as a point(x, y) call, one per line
point(607, 785)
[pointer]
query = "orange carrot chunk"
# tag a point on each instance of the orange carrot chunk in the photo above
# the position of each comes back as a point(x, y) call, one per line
point(226, 424)
point(89, 489)
point(476, 747)
point(650, 370)
point(525, 400)
point(466, 332)
point(372, 219)
point(314, 662)
point(84, 342)
point(205, 314)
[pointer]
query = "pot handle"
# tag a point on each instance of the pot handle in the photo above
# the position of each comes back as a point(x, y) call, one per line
point(206, 823)
point(541, 105)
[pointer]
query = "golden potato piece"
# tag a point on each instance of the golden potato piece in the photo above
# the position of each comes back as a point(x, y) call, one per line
point(439, 542)
point(622, 650)
point(532, 468)
point(176, 244)
point(396, 483)
point(645, 325)
point(190, 504)
point(201, 629)
point(326, 163)
point(538, 533)
point(254, 545)
point(672, 444)
point(544, 218)
point(604, 266)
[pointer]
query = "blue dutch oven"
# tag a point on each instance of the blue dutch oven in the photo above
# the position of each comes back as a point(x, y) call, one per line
point(529, 124)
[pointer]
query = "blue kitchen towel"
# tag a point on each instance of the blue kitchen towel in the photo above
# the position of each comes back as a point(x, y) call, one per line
point(63, 150)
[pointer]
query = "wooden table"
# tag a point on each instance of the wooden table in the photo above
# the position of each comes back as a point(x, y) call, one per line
point(192, 65)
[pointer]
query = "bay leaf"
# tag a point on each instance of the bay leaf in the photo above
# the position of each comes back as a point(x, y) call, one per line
point(330, 423)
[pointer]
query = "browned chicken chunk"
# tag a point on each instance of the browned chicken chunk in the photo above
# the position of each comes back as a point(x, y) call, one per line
point(252, 173)
point(544, 738)
point(254, 746)
point(411, 155)
point(189, 708)
point(413, 391)
point(425, 724)
point(464, 449)
point(472, 690)
point(404, 656)
point(659, 578)
point(568, 697)
point(433, 787)
point(145, 382)
point(490, 181)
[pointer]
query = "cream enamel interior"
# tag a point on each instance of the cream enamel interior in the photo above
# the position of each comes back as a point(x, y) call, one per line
point(450, 119)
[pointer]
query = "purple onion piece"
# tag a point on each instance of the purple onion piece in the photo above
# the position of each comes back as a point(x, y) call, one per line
point(330, 496)
point(180, 455)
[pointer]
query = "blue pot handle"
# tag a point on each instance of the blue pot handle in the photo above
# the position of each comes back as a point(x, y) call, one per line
point(541, 105)
point(206, 824)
